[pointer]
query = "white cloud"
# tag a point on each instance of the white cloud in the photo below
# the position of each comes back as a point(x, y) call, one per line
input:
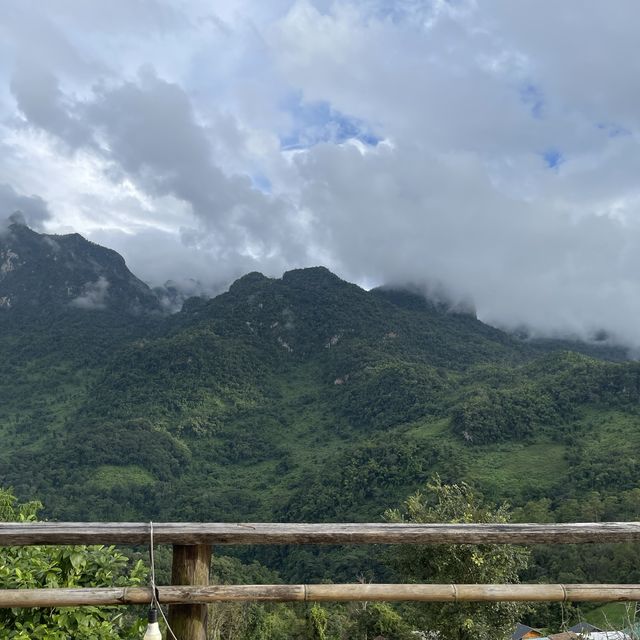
point(94, 295)
point(508, 167)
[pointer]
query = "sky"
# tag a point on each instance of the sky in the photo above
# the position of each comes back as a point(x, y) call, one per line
point(489, 148)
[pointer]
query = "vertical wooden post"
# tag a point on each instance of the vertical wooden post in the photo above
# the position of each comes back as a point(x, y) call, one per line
point(190, 565)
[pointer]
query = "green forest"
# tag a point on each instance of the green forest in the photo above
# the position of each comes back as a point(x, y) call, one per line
point(305, 398)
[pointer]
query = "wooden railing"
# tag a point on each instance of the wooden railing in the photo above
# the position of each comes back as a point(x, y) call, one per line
point(190, 591)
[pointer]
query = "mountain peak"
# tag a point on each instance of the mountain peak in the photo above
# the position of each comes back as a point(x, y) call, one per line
point(311, 276)
point(39, 270)
point(248, 282)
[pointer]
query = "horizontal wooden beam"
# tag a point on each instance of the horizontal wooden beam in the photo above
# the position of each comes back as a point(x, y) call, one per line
point(323, 593)
point(30, 533)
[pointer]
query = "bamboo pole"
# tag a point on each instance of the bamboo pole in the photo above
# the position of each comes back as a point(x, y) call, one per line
point(31, 533)
point(201, 595)
point(190, 566)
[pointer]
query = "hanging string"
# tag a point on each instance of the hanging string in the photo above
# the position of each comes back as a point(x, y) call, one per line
point(563, 625)
point(154, 589)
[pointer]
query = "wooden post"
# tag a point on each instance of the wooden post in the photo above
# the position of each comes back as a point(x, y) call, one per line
point(190, 566)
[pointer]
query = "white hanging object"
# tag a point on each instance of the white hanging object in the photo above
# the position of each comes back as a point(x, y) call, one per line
point(153, 630)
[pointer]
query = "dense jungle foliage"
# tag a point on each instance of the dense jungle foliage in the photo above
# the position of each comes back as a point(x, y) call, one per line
point(300, 398)
point(78, 566)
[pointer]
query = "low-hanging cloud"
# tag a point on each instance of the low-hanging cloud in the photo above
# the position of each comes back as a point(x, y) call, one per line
point(16, 207)
point(94, 295)
point(522, 263)
point(494, 161)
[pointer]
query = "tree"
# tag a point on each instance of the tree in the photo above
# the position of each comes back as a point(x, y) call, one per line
point(74, 566)
point(317, 620)
point(459, 563)
point(378, 619)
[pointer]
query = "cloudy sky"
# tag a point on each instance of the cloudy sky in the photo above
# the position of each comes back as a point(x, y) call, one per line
point(491, 146)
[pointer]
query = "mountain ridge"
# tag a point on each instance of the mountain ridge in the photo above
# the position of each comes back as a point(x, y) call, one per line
point(93, 277)
point(303, 397)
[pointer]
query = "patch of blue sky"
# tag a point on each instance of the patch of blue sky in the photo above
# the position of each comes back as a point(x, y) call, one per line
point(261, 182)
point(613, 130)
point(553, 158)
point(532, 97)
point(317, 122)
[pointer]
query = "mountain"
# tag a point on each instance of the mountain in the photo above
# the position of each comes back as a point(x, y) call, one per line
point(301, 398)
point(65, 305)
point(57, 271)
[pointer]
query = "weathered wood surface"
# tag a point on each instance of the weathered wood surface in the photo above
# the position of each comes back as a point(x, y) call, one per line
point(10, 598)
point(190, 566)
point(200, 595)
point(29, 533)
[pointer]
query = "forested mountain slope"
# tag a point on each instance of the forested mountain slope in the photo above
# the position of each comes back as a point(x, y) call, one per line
point(300, 398)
